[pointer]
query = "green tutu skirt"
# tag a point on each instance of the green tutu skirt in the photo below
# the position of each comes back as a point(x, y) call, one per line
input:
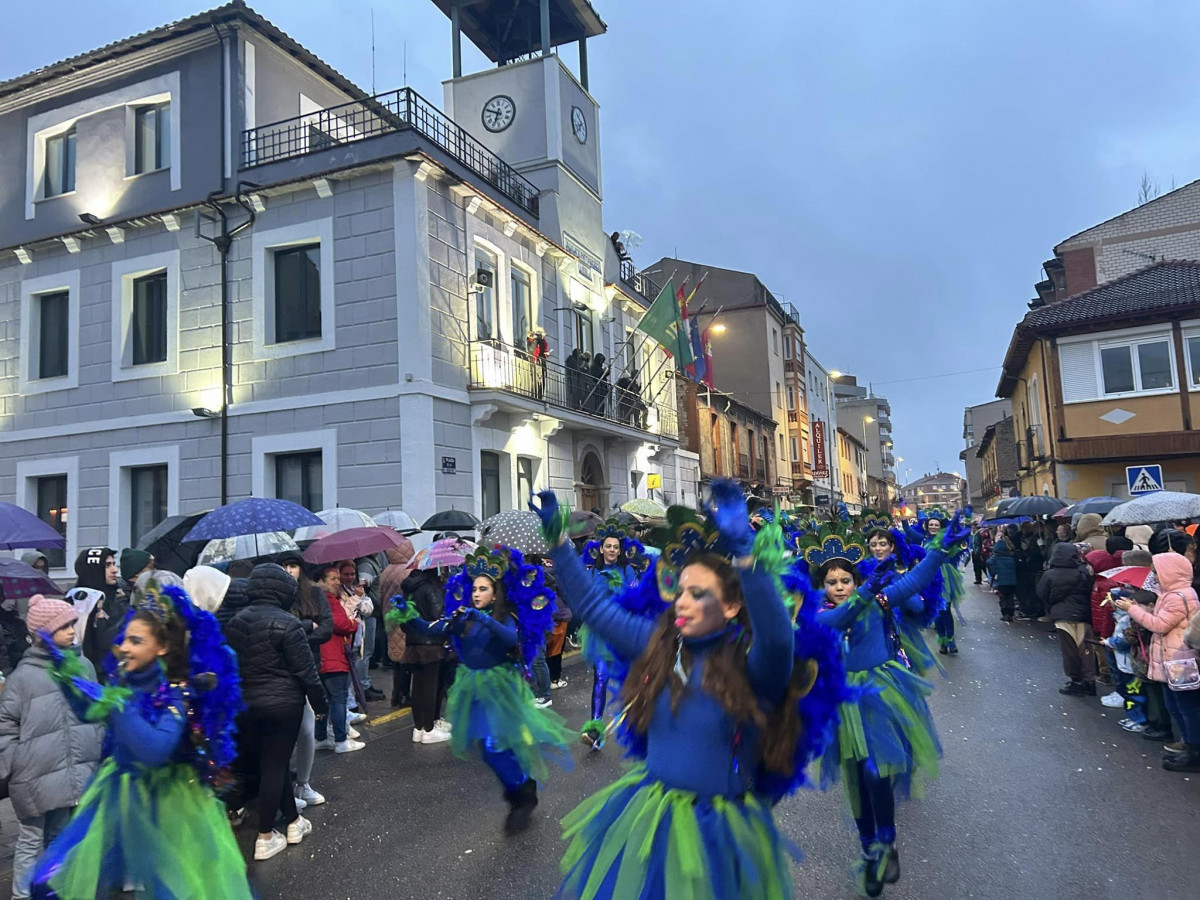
point(495, 707)
point(159, 831)
point(639, 840)
point(888, 732)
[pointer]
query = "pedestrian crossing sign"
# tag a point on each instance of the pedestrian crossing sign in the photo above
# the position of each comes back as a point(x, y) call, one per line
point(1143, 479)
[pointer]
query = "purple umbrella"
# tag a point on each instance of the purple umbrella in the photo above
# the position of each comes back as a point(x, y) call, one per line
point(21, 528)
point(351, 544)
point(256, 515)
point(21, 581)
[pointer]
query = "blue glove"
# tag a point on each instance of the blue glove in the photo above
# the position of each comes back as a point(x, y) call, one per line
point(554, 518)
point(956, 531)
point(547, 509)
point(729, 514)
point(879, 578)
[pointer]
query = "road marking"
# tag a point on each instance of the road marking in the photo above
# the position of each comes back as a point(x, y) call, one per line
point(390, 717)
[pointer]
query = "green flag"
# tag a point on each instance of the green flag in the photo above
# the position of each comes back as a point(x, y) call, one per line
point(663, 322)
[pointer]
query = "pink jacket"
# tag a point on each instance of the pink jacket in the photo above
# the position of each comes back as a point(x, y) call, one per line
point(1174, 607)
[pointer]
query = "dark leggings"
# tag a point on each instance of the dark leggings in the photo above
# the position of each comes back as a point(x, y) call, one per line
point(554, 664)
point(265, 740)
point(425, 680)
point(401, 682)
point(504, 764)
point(877, 809)
point(1184, 707)
point(599, 690)
point(945, 627)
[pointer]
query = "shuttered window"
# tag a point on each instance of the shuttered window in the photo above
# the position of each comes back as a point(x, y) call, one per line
point(1093, 370)
point(1077, 363)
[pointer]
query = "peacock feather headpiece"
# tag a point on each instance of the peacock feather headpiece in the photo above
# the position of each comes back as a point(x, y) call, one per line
point(152, 599)
point(834, 540)
point(871, 520)
point(492, 564)
point(934, 512)
point(633, 553)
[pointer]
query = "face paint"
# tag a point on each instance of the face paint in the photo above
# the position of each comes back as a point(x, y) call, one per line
point(700, 606)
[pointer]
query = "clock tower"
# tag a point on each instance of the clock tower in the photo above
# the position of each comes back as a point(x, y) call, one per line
point(532, 110)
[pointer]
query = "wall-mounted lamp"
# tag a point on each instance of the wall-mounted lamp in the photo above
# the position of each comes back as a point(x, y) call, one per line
point(89, 219)
point(205, 413)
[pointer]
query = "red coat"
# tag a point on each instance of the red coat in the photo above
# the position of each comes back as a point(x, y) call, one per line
point(1102, 616)
point(333, 651)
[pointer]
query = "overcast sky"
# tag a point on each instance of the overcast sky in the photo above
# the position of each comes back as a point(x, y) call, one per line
point(897, 171)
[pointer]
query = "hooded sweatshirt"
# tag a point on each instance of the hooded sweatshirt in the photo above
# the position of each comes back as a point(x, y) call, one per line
point(1066, 588)
point(1168, 620)
point(1090, 531)
point(101, 612)
point(1140, 535)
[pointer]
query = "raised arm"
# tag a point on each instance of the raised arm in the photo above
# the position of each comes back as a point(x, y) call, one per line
point(626, 633)
point(912, 582)
point(842, 616)
point(769, 663)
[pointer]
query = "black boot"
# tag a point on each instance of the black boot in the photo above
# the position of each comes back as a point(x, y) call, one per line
point(1072, 689)
point(521, 801)
point(868, 872)
point(891, 872)
point(1187, 761)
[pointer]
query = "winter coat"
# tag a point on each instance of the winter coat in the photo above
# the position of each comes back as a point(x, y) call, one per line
point(1102, 616)
point(1192, 636)
point(318, 630)
point(333, 651)
point(423, 590)
point(1002, 565)
point(237, 598)
point(1030, 559)
point(394, 573)
point(274, 660)
point(1090, 531)
point(1066, 588)
point(1168, 620)
point(46, 753)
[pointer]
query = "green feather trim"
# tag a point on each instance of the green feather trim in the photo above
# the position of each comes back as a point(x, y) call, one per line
point(554, 530)
point(395, 618)
point(73, 678)
point(770, 555)
point(593, 728)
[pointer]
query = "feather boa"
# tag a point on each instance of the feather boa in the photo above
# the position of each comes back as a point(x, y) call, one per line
point(97, 700)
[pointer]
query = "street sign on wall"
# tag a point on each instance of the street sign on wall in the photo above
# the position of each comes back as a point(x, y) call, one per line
point(1143, 479)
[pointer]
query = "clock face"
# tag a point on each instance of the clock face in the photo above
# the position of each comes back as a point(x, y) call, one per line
point(579, 124)
point(498, 113)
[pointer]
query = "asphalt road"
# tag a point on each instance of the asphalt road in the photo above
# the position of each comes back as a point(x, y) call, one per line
point(1040, 796)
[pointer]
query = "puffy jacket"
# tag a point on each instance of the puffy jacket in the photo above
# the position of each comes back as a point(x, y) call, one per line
point(274, 659)
point(1168, 620)
point(423, 589)
point(1090, 531)
point(319, 629)
point(1066, 588)
point(1030, 559)
point(46, 753)
point(1002, 565)
point(1103, 622)
point(333, 651)
point(237, 598)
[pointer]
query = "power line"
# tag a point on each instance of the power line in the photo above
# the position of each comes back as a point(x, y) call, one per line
point(942, 375)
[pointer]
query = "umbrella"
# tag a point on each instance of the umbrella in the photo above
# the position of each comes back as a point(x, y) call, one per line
point(1029, 506)
point(21, 528)
point(444, 554)
point(646, 509)
point(1161, 506)
point(520, 529)
point(1134, 576)
point(398, 519)
point(245, 546)
point(337, 519)
point(451, 520)
point(166, 544)
point(1098, 505)
point(21, 581)
point(1004, 520)
point(583, 523)
point(352, 544)
point(256, 515)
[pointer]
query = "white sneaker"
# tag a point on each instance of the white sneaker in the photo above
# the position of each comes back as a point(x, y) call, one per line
point(443, 725)
point(301, 804)
point(348, 746)
point(354, 718)
point(308, 795)
point(298, 830)
point(352, 733)
point(1114, 700)
point(418, 736)
point(543, 702)
point(327, 744)
point(555, 685)
point(434, 736)
point(276, 843)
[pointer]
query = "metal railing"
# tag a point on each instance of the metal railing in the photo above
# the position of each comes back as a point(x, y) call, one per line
point(641, 283)
point(496, 366)
point(384, 113)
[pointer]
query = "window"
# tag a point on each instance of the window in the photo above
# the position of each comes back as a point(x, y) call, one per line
point(298, 477)
point(297, 293)
point(489, 483)
point(522, 305)
point(791, 394)
point(148, 325)
point(485, 297)
point(151, 138)
point(1136, 367)
point(787, 348)
point(1121, 364)
point(60, 164)
point(524, 480)
point(583, 330)
point(778, 394)
point(52, 509)
point(53, 334)
point(147, 500)
point(775, 341)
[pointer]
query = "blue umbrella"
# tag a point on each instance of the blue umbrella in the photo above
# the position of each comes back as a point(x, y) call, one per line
point(256, 515)
point(21, 528)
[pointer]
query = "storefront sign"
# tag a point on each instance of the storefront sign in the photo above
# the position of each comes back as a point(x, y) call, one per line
point(820, 463)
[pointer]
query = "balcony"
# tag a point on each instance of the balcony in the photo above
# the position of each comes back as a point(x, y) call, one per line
point(792, 418)
point(400, 110)
point(638, 281)
point(793, 366)
point(500, 367)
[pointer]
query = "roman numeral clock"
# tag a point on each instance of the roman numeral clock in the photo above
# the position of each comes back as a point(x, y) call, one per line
point(498, 113)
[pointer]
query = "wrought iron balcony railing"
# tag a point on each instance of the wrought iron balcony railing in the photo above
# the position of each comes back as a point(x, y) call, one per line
point(639, 282)
point(384, 114)
point(500, 367)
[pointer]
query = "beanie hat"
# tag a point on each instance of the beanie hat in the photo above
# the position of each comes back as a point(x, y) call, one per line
point(89, 568)
point(49, 615)
point(206, 586)
point(132, 562)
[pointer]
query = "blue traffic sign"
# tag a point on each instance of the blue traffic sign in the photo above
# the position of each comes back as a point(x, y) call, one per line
point(1143, 479)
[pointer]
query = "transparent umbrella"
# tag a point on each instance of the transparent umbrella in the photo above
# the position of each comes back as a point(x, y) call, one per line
point(1161, 506)
point(340, 518)
point(245, 546)
point(397, 519)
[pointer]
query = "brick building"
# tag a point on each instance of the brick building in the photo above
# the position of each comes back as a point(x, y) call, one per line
point(997, 455)
point(729, 438)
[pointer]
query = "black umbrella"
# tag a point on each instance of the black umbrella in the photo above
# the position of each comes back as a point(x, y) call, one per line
point(1028, 506)
point(166, 544)
point(451, 520)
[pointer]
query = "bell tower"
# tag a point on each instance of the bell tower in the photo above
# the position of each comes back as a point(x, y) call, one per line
point(531, 110)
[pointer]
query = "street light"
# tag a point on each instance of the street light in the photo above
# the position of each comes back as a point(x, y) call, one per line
point(718, 329)
point(867, 420)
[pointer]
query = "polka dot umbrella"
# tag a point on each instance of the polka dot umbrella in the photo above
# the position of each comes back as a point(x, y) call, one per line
point(516, 528)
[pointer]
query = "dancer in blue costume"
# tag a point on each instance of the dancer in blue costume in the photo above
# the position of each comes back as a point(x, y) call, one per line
point(887, 547)
point(886, 743)
point(716, 702)
point(618, 561)
point(498, 610)
point(930, 523)
point(149, 822)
